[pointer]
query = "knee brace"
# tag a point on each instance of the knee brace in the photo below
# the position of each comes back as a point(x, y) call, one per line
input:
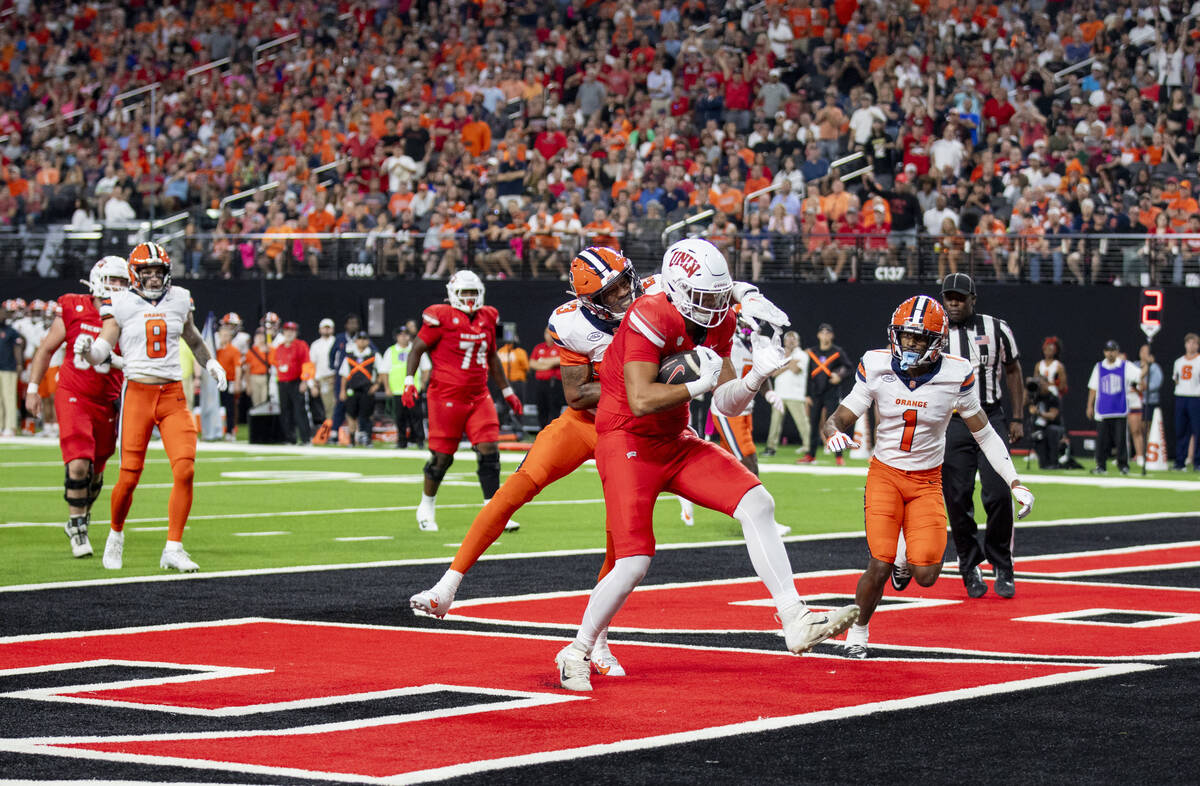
point(489, 473)
point(71, 484)
point(94, 489)
point(436, 469)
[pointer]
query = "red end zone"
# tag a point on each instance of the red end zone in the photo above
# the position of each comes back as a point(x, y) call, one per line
point(950, 621)
point(673, 695)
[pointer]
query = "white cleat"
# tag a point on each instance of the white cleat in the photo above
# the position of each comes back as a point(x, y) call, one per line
point(114, 548)
point(431, 602)
point(426, 522)
point(511, 526)
point(804, 629)
point(77, 531)
point(605, 663)
point(687, 512)
point(782, 529)
point(574, 668)
point(177, 559)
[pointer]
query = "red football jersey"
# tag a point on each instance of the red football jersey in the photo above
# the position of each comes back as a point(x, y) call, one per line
point(95, 383)
point(459, 344)
point(652, 330)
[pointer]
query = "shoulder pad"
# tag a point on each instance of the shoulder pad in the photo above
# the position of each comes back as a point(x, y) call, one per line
point(433, 315)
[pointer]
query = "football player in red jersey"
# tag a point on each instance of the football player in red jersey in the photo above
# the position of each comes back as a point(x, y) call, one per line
point(86, 399)
point(644, 447)
point(460, 337)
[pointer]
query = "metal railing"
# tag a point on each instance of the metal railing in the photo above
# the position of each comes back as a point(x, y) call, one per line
point(272, 44)
point(1137, 260)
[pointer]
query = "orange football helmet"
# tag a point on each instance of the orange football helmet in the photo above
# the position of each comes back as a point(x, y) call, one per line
point(922, 316)
point(142, 259)
point(596, 271)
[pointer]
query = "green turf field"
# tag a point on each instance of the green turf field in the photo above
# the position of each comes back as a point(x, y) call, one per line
point(338, 505)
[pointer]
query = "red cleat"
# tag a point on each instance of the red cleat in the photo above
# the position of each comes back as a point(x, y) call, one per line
point(806, 459)
point(841, 462)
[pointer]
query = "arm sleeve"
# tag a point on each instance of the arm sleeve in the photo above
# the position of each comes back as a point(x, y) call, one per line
point(733, 397)
point(995, 451)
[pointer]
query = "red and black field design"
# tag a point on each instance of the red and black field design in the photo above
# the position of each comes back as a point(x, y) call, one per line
point(325, 676)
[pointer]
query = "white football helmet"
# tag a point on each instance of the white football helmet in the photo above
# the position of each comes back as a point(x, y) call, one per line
point(465, 291)
point(696, 279)
point(110, 274)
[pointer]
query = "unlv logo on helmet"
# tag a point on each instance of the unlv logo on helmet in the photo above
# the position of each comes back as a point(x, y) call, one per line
point(684, 260)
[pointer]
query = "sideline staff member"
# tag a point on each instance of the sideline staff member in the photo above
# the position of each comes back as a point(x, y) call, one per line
point(989, 344)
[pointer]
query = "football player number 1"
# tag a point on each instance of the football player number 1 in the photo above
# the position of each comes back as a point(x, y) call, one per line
point(910, 428)
point(469, 350)
point(156, 338)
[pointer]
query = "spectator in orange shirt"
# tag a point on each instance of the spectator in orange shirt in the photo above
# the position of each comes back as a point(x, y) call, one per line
point(231, 360)
point(319, 221)
point(258, 361)
point(275, 250)
point(599, 231)
point(477, 137)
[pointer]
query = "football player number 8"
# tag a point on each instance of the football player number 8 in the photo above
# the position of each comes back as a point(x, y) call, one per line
point(468, 348)
point(156, 338)
point(910, 428)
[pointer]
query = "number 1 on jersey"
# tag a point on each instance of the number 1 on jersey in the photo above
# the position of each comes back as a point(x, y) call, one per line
point(910, 428)
point(468, 348)
point(156, 338)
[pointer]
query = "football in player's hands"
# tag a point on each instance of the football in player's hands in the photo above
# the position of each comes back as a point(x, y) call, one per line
point(680, 368)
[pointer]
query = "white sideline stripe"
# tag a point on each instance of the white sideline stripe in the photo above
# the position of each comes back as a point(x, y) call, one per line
point(1123, 550)
point(366, 537)
point(260, 534)
point(1107, 571)
point(950, 566)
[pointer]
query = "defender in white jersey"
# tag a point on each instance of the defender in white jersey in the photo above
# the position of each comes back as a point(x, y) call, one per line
point(148, 320)
point(604, 285)
point(915, 389)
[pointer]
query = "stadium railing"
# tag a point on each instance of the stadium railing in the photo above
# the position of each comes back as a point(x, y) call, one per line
point(1129, 260)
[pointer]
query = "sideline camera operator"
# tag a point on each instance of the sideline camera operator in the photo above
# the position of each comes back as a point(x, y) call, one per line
point(1049, 436)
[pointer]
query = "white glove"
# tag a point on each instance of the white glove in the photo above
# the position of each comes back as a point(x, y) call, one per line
point(839, 442)
point(218, 373)
point(1024, 498)
point(755, 306)
point(710, 370)
point(768, 358)
point(83, 345)
point(774, 400)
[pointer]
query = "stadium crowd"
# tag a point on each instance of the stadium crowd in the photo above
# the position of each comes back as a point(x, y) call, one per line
point(915, 138)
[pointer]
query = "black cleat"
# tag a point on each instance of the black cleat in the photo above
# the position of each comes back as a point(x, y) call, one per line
point(973, 579)
point(901, 575)
point(1004, 585)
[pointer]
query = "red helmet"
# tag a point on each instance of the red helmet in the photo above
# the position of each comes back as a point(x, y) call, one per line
point(922, 316)
point(596, 271)
point(144, 258)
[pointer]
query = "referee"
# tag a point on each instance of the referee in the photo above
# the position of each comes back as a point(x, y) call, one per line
point(989, 344)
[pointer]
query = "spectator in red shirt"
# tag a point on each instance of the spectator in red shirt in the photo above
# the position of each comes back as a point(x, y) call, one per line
point(290, 359)
point(547, 379)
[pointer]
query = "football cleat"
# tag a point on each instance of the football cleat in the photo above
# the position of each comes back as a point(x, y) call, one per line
point(1004, 585)
point(804, 629)
point(77, 531)
point(782, 529)
point(605, 663)
point(901, 575)
point(973, 580)
point(855, 651)
point(511, 526)
point(177, 559)
point(426, 522)
point(806, 460)
point(687, 512)
point(431, 602)
point(114, 547)
point(574, 668)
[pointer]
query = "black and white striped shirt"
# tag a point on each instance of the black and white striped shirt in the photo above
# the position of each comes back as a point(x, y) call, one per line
point(989, 344)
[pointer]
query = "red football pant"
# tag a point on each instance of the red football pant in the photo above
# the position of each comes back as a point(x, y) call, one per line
point(450, 418)
point(87, 429)
point(564, 444)
point(635, 469)
point(146, 406)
